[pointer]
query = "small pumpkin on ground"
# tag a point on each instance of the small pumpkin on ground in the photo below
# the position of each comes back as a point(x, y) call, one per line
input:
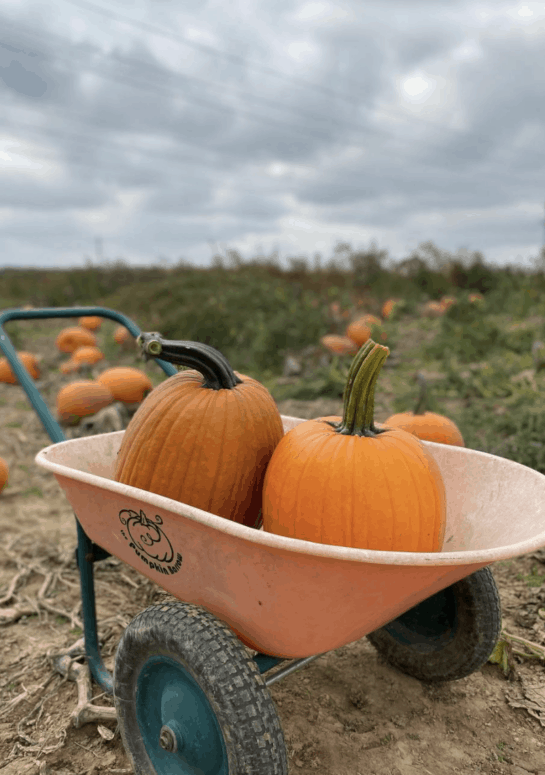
point(339, 345)
point(92, 322)
point(4, 473)
point(358, 331)
point(122, 335)
point(348, 482)
point(126, 384)
point(388, 307)
point(67, 367)
point(203, 436)
point(372, 320)
point(427, 425)
point(433, 309)
point(29, 361)
point(447, 301)
point(85, 355)
point(73, 337)
point(80, 399)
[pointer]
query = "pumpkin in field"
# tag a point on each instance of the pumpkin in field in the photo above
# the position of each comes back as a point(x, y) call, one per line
point(91, 322)
point(388, 308)
point(122, 335)
point(203, 436)
point(427, 425)
point(433, 309)
point(71, 338)
point(87, 355)
point(80, 399)
point(4, 473)
point(358, 331)
point(348, 482)
point(372, 320)
point(67, 367)
point(447, 301)
point(339, 345)
point(29, 361)
point(126, 384)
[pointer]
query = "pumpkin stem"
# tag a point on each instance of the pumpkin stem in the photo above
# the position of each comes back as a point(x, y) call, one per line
point(421, 404)
point(359, 394)
point(212, 364)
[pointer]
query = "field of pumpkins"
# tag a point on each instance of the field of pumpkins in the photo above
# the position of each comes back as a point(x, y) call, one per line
point(451, 370)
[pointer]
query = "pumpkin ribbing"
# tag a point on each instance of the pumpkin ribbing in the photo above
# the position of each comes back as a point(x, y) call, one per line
point(348, 482)
point(203, 436)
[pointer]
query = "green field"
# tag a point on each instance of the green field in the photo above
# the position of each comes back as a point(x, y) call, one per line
point(258, 313)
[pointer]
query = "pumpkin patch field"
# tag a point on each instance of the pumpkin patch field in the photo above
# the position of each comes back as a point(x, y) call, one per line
point(462, 359)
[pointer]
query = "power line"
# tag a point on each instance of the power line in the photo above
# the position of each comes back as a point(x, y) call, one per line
point(211, 50)
point(135, 83)
point(221, 87)
point(368, 130)
point(131, 81)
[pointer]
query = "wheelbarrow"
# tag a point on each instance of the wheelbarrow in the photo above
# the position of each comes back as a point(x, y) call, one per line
point(191, 677)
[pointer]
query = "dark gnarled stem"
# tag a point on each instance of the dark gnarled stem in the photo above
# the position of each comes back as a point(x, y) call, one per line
point(212, 364)
point(359, 394)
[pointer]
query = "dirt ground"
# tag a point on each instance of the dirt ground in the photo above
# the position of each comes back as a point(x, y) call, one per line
point(347, 713)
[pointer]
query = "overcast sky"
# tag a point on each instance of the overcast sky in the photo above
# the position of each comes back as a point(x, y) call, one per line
point(179, 129)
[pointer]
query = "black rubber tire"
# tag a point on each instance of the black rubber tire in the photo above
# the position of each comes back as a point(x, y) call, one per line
point(448, 636)
point(228, 677)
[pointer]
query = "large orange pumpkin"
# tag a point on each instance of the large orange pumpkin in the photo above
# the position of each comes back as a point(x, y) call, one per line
point(4, 473)
point(80, 399)
point(427, 425)
point(71, 338)
point(29, 361)
point(92, 322)
point(348, 482)
point(126, 384)
point(203, 436)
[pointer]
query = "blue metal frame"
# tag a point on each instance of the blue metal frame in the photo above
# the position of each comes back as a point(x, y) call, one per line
point(87, 552)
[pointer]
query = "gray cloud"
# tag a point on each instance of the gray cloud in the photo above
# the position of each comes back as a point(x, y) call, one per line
point(226, 126)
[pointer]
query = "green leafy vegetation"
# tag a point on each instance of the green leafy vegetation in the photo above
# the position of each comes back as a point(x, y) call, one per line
point(260, 312)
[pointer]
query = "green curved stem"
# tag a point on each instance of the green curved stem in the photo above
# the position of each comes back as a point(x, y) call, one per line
point(212, 364)
point(359, 394)
point(421, 404)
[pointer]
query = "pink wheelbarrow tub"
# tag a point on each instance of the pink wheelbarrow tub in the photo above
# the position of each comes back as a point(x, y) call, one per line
point(190, 697)
point(292, 598)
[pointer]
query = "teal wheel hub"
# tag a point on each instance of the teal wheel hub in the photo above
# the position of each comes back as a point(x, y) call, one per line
point(178, 726)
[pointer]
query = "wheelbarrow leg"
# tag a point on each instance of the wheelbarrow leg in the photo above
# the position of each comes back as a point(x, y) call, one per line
point(85, 559)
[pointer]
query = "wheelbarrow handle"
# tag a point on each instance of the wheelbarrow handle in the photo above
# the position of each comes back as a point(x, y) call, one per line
point(51, 426)
point(86, 548)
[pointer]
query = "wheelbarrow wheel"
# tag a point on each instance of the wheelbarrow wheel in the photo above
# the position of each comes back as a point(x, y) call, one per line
point(190, 699)
point(448, 636)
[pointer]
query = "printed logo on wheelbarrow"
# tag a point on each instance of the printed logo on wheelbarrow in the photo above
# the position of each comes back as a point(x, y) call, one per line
point(149, 542)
